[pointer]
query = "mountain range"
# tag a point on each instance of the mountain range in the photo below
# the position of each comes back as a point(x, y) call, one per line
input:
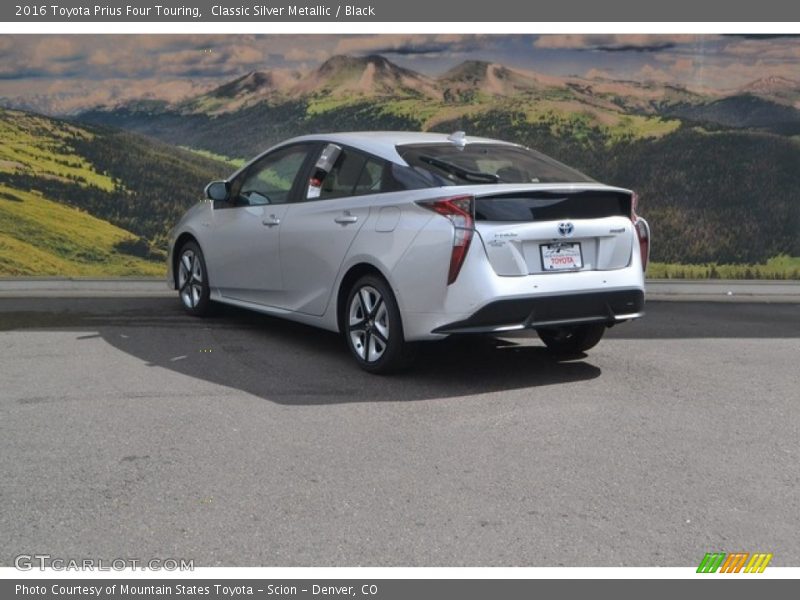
point(371, 91)
point(374, 76)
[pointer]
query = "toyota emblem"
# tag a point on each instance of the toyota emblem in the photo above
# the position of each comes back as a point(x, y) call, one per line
point(566, 229)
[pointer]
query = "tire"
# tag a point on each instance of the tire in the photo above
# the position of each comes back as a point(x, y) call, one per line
point(373, 328)
point(572, 340)
point(191, 279)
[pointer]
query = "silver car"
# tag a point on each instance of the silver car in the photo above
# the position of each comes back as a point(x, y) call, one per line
point(392, 238)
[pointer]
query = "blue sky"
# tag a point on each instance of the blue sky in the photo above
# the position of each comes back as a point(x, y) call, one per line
point(105, 69)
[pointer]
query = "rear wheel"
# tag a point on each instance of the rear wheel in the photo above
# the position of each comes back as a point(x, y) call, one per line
point(192, 280)
point(373, 328)
point(572, 340)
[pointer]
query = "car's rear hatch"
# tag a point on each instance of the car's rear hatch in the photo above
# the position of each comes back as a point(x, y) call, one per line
point(554, 229)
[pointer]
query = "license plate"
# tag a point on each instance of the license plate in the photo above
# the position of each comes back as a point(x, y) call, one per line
point(561, 256)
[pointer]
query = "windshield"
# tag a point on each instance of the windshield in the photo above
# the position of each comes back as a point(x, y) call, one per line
point(450, 164)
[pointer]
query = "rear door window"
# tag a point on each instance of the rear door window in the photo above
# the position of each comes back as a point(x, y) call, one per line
point(353, 174)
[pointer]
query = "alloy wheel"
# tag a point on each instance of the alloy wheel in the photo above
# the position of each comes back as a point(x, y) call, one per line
point(190, 278)
point(368, 324)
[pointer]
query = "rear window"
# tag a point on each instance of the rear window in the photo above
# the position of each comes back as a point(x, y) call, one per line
point(450, 164)
point(553, 206)
point(355, 174)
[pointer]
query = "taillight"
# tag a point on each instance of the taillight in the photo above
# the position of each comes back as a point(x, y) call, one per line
point(642, 231)
point(459, 210)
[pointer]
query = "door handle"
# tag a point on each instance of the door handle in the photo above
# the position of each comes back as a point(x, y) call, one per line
point(271, 221)
point(345, 219)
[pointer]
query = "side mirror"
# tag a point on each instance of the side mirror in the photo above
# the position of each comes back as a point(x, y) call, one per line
point(217, 190)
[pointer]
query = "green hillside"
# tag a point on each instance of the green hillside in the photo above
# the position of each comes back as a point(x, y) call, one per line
point(87, 200)
point(42, 237)
point(43, 147)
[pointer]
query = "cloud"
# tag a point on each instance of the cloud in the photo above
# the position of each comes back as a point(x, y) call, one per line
point(617, 42)
point(57, 49)
point(140, 56)
point(407, 45)
point(651, 73)
point(598, 74)
point(784, 48)
point(307, 54)
point(684, 65)
point(765, 36)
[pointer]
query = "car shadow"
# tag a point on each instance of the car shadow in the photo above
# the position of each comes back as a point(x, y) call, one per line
point(293, 364)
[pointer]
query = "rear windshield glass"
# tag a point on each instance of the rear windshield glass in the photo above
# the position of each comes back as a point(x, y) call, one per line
point(552, 206)
point(450, 164)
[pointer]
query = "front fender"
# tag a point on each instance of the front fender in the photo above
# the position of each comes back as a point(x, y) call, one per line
point(188, 225)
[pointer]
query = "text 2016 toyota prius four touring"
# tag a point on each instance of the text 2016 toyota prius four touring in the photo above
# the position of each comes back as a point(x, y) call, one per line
point(392, 238)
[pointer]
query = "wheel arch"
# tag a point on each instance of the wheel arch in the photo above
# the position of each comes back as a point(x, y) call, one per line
point(180, 242)
point(353, 274)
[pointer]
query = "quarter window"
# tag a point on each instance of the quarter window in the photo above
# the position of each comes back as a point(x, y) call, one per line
point(371, 179)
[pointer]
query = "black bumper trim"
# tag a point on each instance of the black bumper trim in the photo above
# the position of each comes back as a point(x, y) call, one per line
point(569, 308)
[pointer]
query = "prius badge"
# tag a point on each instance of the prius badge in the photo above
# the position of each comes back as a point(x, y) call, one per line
point(566, 229)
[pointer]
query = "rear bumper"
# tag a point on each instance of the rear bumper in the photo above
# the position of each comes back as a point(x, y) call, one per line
point(551, 311)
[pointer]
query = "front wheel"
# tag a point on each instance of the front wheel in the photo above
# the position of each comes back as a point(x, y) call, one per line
point(572, 340)
point(192, 280)
point(374, 329)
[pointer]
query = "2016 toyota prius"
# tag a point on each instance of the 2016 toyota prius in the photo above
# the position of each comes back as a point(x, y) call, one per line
point(393, 238)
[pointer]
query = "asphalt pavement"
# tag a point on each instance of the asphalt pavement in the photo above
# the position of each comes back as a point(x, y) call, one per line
point(128, 429)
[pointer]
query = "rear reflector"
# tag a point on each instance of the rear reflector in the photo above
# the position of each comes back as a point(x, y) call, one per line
point(459, 210)
point(642, 231)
